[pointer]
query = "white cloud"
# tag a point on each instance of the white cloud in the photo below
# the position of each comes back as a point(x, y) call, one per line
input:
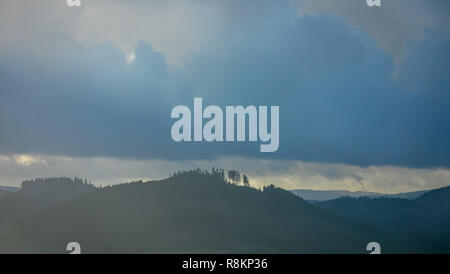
point(27, 160)
point(131, 57)
point(175, 28)
point(179, 29)
point(4, 158)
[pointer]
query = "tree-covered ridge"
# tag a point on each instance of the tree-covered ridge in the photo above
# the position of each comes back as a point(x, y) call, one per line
point(194, 211)
point(56, 181)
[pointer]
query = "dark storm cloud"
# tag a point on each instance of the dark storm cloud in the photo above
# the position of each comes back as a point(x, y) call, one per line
point(341, 98)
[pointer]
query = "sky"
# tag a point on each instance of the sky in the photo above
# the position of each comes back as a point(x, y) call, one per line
point(364, 93)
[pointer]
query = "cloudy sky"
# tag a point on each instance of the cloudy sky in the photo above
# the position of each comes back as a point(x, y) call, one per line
point(364, 93)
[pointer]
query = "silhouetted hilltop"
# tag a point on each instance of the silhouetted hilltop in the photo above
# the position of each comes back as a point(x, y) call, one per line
point(325, 195)
point(9, 188)
point(438, 198)
point(192, 211)
point(39, 194)
point(61, 183)
point(424, 220)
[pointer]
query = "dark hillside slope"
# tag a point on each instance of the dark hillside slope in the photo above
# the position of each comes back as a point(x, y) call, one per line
point(194, 212)
point(37, 195)
point(4, 193)
point(424, 220)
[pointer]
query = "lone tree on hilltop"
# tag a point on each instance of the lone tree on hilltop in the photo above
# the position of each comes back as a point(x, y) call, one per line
point(234, 176)
point(245, 180)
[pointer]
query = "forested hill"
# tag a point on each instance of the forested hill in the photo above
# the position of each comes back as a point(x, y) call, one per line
point(424, 220)
point(39, 194)
point(193, 211)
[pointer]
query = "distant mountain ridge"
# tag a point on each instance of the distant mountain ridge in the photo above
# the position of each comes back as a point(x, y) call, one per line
point(324, 195)
point(424, 219)
point(9, 188)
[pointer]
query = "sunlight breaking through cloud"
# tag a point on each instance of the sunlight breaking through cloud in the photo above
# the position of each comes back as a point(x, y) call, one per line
point(282, 173)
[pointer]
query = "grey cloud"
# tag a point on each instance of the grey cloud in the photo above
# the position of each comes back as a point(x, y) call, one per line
point(392, 24)
point(338, 100)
